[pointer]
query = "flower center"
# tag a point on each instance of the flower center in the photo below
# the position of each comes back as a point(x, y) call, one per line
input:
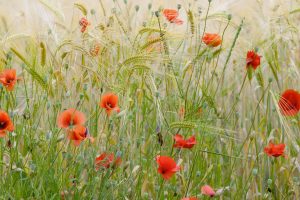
point(3, 125)
point(9, 80)
point(109, 105)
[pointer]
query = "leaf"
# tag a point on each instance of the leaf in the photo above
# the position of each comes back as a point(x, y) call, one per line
point(43, 54)
point(295, 11)
point(53, 9)
point(35, 76)
point(63, 55)
point(151, 30)
point(142, 67)
point(81, 8)
point(260, 78)
point(151, 42)
point(191, 20)
point(250, 73)
point(136, 59)
point(184, 124)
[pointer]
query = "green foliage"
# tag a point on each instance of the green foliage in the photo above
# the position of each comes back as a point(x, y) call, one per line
point(168, 82)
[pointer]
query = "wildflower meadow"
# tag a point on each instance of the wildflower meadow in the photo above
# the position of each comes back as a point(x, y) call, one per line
point(138, 100)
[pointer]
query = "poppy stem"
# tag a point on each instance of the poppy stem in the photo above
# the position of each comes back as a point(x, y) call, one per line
point(217, 62)
point(191, 173)
point(221, 82)
point(160, 189)
point(169, 64)
point(236, 101)
point(205, 21)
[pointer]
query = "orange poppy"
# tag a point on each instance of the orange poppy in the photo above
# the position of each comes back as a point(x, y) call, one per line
point(212, 39)
point(180, 142)
point(84, 23)
point(275, 150)
point(172, 16)
point(181, 112)
point(107, 160)
point(167, 167)
point(5, 123)
point(289, 103)
point(253, 59)
point(8, 78)
point(208, 191)
point(109, 102)
point(94, 51)
point(70, 117)
point(78, 134)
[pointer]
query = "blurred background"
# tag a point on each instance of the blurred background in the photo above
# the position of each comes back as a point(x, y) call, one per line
point(35, 16)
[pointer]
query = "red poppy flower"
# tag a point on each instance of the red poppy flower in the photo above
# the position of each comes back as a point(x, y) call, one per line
point(208, 191)
point(253, 59)
point(109, 101)
point(5, 123)
point(79, 133)
point(107, 160)
point(172, 16)
point(70, 117)
point(167, 167)
point(190, 198)
point(8, 78)
point(84, 23)
point(180, 142)
point(212, 39)
point(275, 150)
point(289, 103)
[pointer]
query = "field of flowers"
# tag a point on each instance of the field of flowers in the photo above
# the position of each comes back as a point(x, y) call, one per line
point(129, 99)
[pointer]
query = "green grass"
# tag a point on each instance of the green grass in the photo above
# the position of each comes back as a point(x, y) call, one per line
point(156, 68)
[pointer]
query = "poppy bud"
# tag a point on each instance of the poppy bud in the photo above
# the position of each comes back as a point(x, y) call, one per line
point(68, 94)
point(269, 182)
point(9, 56)
point(149, 6)
point(137, 7)
point(157, 13)
point(26, 115)
point(199, 10)
point(93, 11)
point(179, 6)
point(229, 17)
point(81, 96)
point(85, 87)
point(254, 172)
point(146, 194)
